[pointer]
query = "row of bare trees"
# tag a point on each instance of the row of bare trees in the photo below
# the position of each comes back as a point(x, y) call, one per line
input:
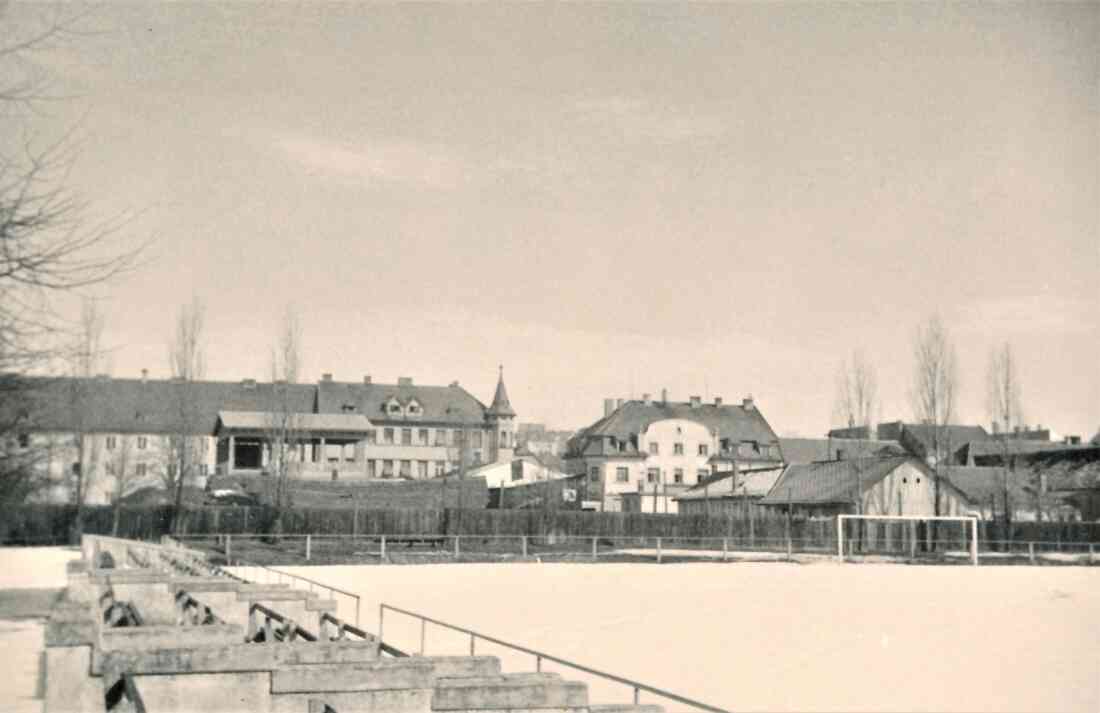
point(934, 399)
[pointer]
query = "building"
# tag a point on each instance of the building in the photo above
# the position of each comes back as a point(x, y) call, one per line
point(810, 450)
point(537, 439)
point(895, 485)
point(333, 429)
point(728, 493)
point(663, 448)
point(934, 444)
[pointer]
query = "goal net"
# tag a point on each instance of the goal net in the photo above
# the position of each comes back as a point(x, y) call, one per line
point(907, 535)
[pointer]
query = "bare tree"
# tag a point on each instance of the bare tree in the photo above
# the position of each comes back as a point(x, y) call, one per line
point(1004, 399)
point(183, 447)
point(934, 392)
point(85, 357)
point(121, 468)
point(283, 422)
point(47, 248)
point(856, 401)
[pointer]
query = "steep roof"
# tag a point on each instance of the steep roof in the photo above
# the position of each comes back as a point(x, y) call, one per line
point(731, 421)
point(832, 481)
point(500, 405)
point(994, 451)
point(955, 436)
point(313, 422)
point(808, 450)
point(980, 484)
point(445, 404)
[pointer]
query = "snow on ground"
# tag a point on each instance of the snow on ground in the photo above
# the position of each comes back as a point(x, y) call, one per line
point(34, 567)
point(772, 636)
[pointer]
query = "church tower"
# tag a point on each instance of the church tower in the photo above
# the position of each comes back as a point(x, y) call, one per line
point(502, 427)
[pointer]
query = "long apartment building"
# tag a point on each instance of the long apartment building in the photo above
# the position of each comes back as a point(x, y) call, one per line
point(122, 430)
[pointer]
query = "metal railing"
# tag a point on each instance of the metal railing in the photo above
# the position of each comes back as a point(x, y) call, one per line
point(269, 575)
point(343, 629)
point(540, 656)
point(289, 631)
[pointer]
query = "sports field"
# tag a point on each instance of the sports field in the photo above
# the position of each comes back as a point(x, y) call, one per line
point(772, 636)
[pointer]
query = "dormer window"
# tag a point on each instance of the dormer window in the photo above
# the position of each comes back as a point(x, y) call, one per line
point(414, 409)
point(348, 408)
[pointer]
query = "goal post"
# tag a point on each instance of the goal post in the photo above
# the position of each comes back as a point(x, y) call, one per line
point(971, 519)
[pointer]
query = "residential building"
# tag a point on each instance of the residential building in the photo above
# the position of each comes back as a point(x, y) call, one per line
point(934, 444)
point(810, 450)
point(662, 448)
point(333, 429)
point(728, 492)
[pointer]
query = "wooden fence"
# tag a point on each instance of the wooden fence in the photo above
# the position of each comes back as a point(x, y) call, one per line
point(52, 524)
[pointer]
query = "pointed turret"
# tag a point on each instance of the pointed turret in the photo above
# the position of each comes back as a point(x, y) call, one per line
point(501, 408)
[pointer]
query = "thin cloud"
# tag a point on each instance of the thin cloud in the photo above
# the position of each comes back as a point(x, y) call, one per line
point(1030, 315)
point(393, 162)
point(638, 119)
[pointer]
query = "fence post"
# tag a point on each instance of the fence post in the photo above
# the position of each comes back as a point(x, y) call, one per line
point(524, 545)
point(1031, 552)
point(790, 547)
point(309, 542)
point(594, 553)
point(456, 546)
point(725, 548)
point(658, 550)
point(1091, 552)
point(383, 555)
point(228, 548)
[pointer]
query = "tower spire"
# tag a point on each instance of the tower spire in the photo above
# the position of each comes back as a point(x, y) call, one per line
point(501, 406)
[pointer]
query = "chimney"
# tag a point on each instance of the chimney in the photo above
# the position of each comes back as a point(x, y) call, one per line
point(102, 377)
point(326, 378)
point(664, 396)
point(996, 428)
point(696, 401)
point(366, 380)
point(618, 403)
point(144, 375)
point(608, 407)
point(454, 384)
point(404, 381)
point(717, 400)
point(248, 383)
point(646, 400)
point(747, 403)
point(851, 421)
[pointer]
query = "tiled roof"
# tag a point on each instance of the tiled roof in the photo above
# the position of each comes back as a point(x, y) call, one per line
point(808, 450)
point(954, 435)
point(980, 484)
point(755, 483)
point(731, 421)
point(440, 404)
point(997, 450)
point(314, 422)
point(833, 481)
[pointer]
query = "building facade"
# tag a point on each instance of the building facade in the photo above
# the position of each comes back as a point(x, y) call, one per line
point(125, 434)
point(643, 453)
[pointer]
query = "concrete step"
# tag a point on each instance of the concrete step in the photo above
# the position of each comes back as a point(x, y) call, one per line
point(410, 673)
point(274, 595)
point(231, 658)
point(625, 708)
point(148, 638)
point(510, 692)
point(321, 605)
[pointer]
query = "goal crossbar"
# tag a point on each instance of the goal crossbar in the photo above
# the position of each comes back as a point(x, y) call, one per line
point(972, 519)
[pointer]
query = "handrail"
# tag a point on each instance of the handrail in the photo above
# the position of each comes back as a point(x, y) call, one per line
point(294, 628)
point(311, 582)
point(540, 655)
point(343, 626)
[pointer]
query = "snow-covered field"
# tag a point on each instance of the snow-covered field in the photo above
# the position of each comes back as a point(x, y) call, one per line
point(772, 636)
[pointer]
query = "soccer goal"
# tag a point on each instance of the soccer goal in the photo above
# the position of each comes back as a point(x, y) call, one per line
point(910, 523)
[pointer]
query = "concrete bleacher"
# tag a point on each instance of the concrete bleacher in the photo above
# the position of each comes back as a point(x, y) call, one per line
point(155, 629)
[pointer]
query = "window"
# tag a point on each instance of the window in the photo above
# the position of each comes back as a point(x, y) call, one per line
point(440, 436)
point(477, 439)
point(142, 442)
point(422, 469)
point(440, 468)
point(387, 469)
point(677, 449)
point(702, 474)
point(204, 469)
point(622, 475)
point(422, 438)
point(594, 474)
point(110, 467)
point(406, 469)
point(653, 475)
point(476, 458)
point(703, 449)
point(140, 470)
point(387, 435)
point(394, 408)
point(112, 441)
point(655, 449)
point(372, 469)
point(678, 475)
point(414, 409)
point(406, 436)
point(503, 439)
point(456, 437)
point(370, 437)
point(24, 440)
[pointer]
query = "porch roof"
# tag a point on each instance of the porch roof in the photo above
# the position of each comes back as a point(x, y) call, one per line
point(299, 422)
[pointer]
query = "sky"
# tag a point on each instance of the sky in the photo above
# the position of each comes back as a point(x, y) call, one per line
point(720, 200)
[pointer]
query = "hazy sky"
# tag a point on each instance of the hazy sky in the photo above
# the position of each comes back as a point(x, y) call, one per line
point(606, 199)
